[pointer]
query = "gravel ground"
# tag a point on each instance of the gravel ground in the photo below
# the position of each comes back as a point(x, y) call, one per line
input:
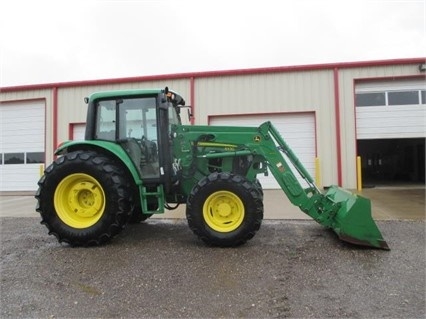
point(159, 269)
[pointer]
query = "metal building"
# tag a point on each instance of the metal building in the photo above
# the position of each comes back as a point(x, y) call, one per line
point(328, 113)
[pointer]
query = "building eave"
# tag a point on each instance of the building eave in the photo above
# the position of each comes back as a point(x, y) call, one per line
point(218, 73)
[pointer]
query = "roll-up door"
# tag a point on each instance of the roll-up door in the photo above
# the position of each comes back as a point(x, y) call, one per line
point(78, 131)
point(394, 109)
point(22, 136)
point(391, 131)
point(297, 129)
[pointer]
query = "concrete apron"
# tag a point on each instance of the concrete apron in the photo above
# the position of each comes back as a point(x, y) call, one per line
point(387, 204)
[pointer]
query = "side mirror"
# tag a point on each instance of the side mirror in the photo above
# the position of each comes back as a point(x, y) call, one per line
point(188, 118)
point(189, 109)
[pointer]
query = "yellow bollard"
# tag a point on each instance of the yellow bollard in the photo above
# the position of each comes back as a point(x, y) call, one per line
point(41, 170)
point(317, 172)
point(358, 174)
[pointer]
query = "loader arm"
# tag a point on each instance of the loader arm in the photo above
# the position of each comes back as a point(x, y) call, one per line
point(347, 214)
point(307, 199)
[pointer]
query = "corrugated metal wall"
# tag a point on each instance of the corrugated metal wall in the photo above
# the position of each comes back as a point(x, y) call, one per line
point(245, 93)
point(275, 92)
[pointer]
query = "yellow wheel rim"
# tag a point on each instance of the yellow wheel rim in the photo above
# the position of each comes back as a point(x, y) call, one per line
point(223, 211)
point(79, 200)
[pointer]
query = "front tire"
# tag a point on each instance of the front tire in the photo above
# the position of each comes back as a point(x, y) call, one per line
point(84, 198)
point(224, 210)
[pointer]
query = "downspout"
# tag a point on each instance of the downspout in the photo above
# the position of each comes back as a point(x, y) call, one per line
point(337, 117)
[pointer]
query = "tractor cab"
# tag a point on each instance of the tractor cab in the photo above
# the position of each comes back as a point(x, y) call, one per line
point(140, 122)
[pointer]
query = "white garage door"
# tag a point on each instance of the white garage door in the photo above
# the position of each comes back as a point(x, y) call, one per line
point(391, 109)
point(22, 126)
point(297, 129)
point(78, 131)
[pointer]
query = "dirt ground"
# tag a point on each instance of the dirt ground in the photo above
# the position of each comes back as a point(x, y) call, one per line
point(159, 269)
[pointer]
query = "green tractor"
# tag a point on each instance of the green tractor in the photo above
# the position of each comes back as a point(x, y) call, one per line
point(138, 159)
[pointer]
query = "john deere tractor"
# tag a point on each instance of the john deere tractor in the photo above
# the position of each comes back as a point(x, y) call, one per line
point(138, 159)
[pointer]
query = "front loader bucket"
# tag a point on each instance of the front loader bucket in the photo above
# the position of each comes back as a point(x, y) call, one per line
point(353, 221)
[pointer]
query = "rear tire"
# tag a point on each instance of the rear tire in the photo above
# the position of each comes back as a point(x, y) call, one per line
point(84, 198)
point(224, 210)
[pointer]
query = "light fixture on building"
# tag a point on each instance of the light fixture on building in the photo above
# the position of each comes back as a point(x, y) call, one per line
point(422, 67)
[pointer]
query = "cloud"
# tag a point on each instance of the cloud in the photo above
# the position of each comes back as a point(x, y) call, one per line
point(93, 39)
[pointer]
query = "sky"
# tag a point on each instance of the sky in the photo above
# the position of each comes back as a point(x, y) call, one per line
point(50, 41)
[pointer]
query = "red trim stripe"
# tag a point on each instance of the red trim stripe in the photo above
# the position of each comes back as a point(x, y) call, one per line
point(338, 133)
point(55, 117)
point(192, 98)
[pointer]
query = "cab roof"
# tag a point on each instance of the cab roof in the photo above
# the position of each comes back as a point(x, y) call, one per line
point(117, 93)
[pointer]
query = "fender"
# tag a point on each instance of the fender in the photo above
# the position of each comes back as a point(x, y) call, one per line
point(107, 147)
